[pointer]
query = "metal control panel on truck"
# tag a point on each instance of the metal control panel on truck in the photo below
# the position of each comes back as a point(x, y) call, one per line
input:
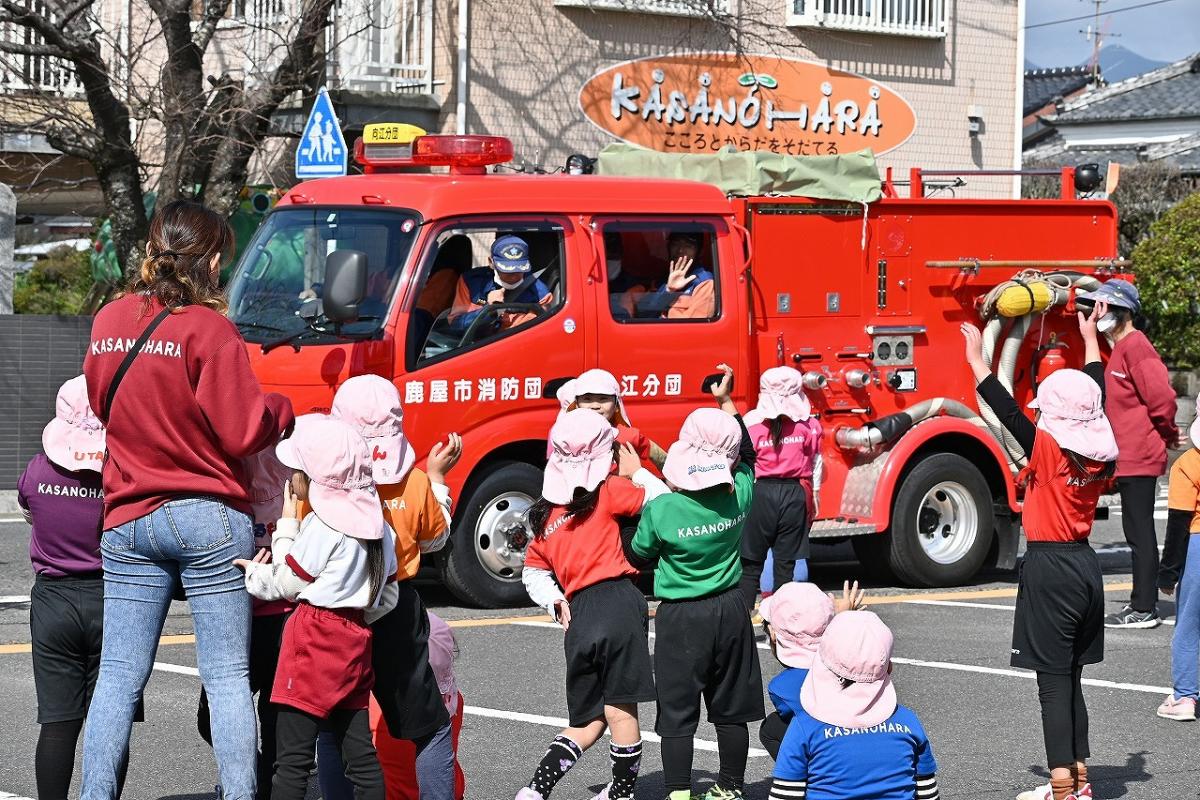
point(360, 274)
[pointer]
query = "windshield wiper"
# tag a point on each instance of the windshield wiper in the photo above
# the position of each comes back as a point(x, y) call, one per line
point(254, 326)
point(313, 330)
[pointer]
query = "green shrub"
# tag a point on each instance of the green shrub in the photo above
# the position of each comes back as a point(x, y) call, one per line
point(58, 284)
point(1167, 267)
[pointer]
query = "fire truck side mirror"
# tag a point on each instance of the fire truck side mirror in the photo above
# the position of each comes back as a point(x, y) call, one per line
point(345, 284)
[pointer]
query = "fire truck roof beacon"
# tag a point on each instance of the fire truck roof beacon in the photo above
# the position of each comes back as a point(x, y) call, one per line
point(469, 154)
point(1087, 177)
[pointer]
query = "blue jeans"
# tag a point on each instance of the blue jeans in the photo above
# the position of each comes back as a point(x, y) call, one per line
point(1185, 644)
point(434, 767)
point(194, 540)
point(799, 574)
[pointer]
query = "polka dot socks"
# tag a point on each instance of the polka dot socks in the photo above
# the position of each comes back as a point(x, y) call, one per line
point(626, 763)
point(560, 757)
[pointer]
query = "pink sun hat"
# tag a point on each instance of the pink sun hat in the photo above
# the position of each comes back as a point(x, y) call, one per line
point(74, 439)
point(266, 475)
point(582, 455)
point(371, 405)
point(707, 447)
point(1072, 407)
point(850, 683)
point(566, 395)
point(337, 462)
point(598, 381)
point(781, 394)
point(798, 613)
point(1194, 431)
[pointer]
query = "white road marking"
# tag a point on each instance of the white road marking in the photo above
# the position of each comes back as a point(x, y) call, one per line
point(559, 722)
point(8, 600)
point(1013, 673)
point(10, 519)
point(959, 604)
point(492, 713)
point(8, 796)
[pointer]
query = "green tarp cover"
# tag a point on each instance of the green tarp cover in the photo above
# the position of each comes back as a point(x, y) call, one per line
point(852, 177)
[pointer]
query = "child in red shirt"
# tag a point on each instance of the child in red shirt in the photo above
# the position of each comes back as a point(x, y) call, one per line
point(1059, 623)
point(576, 569)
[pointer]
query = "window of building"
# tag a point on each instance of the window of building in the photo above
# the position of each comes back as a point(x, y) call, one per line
point(661, 272)
point(461, 303)
point(670, 8)
point(920, 18)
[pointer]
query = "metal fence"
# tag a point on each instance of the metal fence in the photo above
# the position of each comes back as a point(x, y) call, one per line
point(37, 354)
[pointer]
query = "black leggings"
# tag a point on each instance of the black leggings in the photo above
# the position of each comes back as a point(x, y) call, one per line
point(771, 733)
point(54, 759)
point(1137, 520)
point(733, 748)
point(296, 744)
point(1064, 718)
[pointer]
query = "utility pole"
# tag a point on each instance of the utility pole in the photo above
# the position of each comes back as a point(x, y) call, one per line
point(1096, 36)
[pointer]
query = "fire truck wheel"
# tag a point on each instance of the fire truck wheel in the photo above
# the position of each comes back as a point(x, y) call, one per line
point(487, 548)
point(942, 526)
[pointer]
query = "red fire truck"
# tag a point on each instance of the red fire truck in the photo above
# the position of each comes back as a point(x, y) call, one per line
point(357, 275)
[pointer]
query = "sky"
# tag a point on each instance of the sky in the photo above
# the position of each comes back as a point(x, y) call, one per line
point(1165, 32)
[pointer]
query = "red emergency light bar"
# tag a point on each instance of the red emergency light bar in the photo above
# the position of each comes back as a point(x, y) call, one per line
point(464, 155)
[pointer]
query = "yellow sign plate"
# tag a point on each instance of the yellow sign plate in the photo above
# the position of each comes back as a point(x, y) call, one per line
point(391, 133)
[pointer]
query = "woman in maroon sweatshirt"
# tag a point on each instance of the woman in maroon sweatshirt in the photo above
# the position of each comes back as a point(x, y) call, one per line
point(176, 507)
point(1141, 405)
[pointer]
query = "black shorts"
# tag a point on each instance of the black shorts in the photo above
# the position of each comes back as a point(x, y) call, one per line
point(66, 625)
point(607, 650)
point(778, 519)
point(1059, 623)
point(705, 648)
point(405, 685)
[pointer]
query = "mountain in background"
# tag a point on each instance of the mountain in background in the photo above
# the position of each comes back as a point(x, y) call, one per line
point(1116, 63)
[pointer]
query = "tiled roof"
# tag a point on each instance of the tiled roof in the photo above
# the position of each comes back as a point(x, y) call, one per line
point(1184, 153)
point(1169, 92)
point(1044, 85)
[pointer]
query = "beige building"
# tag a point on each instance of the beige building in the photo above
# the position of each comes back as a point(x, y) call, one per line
point(929, 83)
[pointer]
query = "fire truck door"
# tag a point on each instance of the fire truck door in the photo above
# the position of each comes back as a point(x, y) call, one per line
point(478, 358)
point(662, 338)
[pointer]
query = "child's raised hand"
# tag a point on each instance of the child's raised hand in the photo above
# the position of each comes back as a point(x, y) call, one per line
point(1087, 323)
point(443, 457)
point(291, 504)
point(851, 600)
point(628, 460)
point(678, 278)
point(720, 390)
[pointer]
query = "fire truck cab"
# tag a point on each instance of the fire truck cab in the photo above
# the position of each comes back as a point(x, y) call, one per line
point(375, 273)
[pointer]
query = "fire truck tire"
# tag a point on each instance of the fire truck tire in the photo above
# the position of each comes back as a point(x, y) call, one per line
point(942, 525)
point(487, 547)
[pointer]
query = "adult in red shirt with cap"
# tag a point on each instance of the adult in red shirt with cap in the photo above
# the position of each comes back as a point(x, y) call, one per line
point(1141, 404)
point(176, 500)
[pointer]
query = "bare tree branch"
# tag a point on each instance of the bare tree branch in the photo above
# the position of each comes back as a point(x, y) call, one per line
point(214, 12)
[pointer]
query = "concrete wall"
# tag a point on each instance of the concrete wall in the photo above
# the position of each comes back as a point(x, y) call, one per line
point(529, 59)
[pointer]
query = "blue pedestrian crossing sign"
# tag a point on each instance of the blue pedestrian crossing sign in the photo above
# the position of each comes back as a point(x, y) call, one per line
point(322, 152)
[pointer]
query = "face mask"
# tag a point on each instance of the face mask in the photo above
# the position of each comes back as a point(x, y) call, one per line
point(614, 268)
point(1106, 323)
point(507, 281)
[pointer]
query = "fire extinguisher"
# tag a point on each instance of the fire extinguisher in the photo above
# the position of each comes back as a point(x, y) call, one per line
point(1047, 360)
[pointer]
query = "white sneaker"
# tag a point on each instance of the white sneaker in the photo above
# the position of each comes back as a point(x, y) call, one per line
point(1040, 793)
point(528, 794)
point(603, 793)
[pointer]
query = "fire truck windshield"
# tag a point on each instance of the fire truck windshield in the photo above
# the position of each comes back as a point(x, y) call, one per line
point(281, 273)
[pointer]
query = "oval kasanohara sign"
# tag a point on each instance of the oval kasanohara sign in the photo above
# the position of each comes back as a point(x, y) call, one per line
point(701, 102)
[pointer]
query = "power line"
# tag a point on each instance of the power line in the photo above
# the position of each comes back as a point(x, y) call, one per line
point(1089, 16)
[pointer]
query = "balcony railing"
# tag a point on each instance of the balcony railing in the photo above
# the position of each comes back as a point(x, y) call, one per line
point(670, 8)
point(917, 18)
point(33, 73)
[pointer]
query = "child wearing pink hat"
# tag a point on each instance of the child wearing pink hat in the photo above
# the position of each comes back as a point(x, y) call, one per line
point(1058, 627)
point(850, 739)
point(335, 564)
point(1179, 573)
point(417, 506)
point(705, 643)
point(60, 495)
point(267, 477)
point(787, 443)
point(576, 569)
point(599, 391)
point(794, 619)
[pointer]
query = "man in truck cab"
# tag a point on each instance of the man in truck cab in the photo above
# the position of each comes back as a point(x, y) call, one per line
point(509, 279)
point(688, 291)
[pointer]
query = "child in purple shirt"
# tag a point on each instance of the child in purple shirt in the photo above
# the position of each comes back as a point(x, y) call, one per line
point(60, 495)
